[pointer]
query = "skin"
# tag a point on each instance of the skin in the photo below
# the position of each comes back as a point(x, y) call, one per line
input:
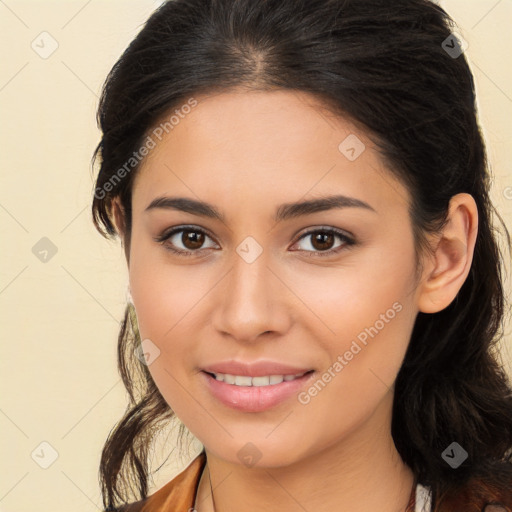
point(246, 153)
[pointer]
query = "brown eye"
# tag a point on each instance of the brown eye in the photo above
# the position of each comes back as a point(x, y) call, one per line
point(322, 242)
point(192, 239)
point(185, 240)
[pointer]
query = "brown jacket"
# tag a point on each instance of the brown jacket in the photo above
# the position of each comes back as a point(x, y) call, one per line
point(176, 496)
point(179, 495)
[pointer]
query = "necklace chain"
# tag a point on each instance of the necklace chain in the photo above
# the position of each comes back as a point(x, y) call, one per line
point(211, 490)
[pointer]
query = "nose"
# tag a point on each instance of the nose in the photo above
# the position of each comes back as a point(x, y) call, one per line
point(251, 302)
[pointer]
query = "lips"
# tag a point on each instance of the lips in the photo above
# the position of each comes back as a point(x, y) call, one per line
point(247, 397)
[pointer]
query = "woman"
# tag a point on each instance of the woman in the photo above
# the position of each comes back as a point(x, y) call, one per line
point(302, 194)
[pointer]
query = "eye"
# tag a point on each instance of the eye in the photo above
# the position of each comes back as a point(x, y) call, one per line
point(191, 239)
point(322, 240)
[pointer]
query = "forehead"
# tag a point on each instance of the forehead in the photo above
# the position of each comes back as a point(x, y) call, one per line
point(270, 146)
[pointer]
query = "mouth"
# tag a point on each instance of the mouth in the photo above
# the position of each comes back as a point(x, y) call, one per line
point(247, 393)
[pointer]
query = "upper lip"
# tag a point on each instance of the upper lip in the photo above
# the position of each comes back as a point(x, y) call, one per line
point(254, 369)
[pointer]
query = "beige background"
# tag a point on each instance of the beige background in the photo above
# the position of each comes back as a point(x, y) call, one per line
point(60, 319)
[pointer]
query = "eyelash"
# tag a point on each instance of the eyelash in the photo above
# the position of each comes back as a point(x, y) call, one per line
point(347, 241)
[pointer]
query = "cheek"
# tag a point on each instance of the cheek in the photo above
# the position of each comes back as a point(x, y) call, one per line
point(164, 299)
point(164, 293)
point(364, 357)
point(363, 319)
point(170, 301)
point(359, 298)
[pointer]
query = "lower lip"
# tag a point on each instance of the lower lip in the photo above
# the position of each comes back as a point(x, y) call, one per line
point(254, 398)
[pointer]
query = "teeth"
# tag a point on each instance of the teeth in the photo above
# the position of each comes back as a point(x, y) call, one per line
point(244, 380)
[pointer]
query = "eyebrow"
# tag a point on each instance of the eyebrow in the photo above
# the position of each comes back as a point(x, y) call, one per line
point(284, 212)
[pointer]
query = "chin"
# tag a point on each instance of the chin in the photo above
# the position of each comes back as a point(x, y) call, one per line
point(257, 454)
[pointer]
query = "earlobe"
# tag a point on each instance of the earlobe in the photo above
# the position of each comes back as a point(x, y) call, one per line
point(118, 217)
point(453, 256)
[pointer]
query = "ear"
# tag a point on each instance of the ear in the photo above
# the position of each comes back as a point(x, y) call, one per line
point(118, 214)
point(453, 256)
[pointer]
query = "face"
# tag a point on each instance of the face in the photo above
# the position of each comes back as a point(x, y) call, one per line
point(268, 288)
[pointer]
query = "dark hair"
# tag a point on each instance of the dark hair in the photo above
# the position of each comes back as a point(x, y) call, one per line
point(385, 66)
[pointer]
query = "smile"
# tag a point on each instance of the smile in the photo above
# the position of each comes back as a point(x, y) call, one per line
point(254, 394)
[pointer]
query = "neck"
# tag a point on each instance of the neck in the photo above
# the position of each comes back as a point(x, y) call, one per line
point(360, 473)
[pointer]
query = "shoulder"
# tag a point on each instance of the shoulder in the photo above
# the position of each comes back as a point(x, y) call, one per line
point(490, 493)
point(493, 490)
point(178, 494)
point(131, 507)
point(487, 496)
